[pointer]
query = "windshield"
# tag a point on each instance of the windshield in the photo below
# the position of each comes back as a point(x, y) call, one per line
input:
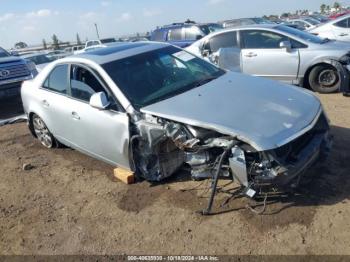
point(301, 34)
point(312, 21)
point(160, 74)
point(3, 53)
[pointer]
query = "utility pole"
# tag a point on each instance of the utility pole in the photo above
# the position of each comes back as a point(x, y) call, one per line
point(98, 35)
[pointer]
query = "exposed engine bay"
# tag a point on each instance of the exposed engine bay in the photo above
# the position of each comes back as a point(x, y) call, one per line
point(161, 147)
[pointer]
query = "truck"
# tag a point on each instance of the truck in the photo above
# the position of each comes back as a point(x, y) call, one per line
point(13, 71)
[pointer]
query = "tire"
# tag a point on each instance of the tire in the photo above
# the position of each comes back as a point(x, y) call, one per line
point(324, 79)
point(42, 133)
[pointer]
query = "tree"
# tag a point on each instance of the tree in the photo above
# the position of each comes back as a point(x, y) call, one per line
point(44, 44)
point(337, 6)
point(78, 40)
point(55, 42)
point(20, 45)
point(323, 8)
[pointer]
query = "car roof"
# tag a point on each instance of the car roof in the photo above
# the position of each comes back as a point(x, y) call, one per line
point(119, 50)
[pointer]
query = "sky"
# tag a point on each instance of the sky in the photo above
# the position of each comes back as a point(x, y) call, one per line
point(31, 21)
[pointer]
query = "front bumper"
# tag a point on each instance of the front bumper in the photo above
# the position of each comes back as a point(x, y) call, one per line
point(317, 150)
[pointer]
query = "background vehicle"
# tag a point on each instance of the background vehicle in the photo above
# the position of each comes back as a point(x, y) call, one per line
point(13, 71)
point(91, 43)
point(137, 106)
point(41, 59)
point(305, 23)
point(319, 17)
point(246, 21)
point(338, 29)
point(73, 49)
point(183, 34)
point(281, 53)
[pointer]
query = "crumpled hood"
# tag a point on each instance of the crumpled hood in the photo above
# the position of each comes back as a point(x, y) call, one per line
point(261, 112)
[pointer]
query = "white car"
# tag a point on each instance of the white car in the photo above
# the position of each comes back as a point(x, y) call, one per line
point(337, 29)
point(306, 23)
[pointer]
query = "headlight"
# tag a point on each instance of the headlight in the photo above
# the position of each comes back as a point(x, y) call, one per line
point(345, 59)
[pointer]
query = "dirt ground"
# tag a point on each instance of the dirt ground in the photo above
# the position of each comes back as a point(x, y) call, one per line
point(69, 203)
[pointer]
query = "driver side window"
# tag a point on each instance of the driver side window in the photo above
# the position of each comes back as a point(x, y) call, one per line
point(83, 84)
point(259, 39)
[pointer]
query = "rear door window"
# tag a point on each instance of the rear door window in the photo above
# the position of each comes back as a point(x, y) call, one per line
point(192, 33)
point(175, 34)
point(225, 40)
point(57, 81)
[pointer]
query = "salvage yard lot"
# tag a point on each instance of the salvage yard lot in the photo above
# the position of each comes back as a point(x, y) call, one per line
point(68, 203)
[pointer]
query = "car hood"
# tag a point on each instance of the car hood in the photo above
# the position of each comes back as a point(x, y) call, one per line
point(336, 46)
point(263, 113)
point(10, 59)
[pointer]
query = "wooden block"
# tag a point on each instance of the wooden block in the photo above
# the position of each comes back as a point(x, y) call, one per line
point(124, 175)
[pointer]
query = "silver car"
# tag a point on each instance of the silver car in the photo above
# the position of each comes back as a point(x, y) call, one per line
point(152, 107)
point(280, 53)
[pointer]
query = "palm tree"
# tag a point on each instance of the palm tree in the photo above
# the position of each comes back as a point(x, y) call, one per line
point(323, 8)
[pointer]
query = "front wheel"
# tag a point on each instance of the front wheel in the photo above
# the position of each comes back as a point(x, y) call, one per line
point(42, 132)
point(324, 79)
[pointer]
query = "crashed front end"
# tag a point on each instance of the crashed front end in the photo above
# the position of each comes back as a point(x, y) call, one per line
point(160, 147)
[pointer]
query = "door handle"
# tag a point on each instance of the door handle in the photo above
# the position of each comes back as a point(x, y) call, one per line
point(45, 103)
point(251, 54)
point(343, 34)
point(75, 116)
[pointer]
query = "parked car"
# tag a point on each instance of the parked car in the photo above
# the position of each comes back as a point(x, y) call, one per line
point(337, 15)
point(40, 59)
point(151, 107)
point(319, 17)
point(306, 23)
point(183, 34)
point(13, 71)
point(103, 41)
point(246, 21)
point(280, 53)
point(73, 49)
point(338, 29)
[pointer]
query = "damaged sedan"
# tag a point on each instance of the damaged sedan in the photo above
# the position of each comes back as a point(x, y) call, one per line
point(152, 108)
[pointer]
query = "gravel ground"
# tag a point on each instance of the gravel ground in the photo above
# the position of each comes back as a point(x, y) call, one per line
point(68, 203)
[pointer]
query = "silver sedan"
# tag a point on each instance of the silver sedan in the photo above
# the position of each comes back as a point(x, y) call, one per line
point(151, 108)
point(280, 53)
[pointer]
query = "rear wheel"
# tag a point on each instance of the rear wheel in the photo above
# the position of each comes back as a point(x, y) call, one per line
point(324, 79)
point(42, 132)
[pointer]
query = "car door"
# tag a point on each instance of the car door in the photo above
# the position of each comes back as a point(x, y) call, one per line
point(262, 55)
point(103, 134)
point(225, 46)
point(52, 95)
point(341, 30)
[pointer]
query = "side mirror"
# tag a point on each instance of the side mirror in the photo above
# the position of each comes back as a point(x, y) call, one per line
point(99, 101)
point(286, 45)
point(205, 52)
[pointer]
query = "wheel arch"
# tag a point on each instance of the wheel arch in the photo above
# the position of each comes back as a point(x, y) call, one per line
point(306, 83)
